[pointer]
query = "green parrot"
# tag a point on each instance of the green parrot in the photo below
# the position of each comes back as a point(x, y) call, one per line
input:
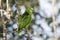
point(25, 19)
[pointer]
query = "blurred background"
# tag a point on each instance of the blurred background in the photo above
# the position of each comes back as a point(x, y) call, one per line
point(41, 27)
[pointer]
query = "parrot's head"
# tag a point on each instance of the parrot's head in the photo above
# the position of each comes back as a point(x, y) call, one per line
point(29, 10)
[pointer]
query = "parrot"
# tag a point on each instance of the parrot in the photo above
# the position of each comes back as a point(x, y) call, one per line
point(25, 19)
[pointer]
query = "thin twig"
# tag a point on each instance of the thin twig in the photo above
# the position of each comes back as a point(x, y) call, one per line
point(4, 36)
point(7, 5)
point(53, 18)
point(0, 3)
